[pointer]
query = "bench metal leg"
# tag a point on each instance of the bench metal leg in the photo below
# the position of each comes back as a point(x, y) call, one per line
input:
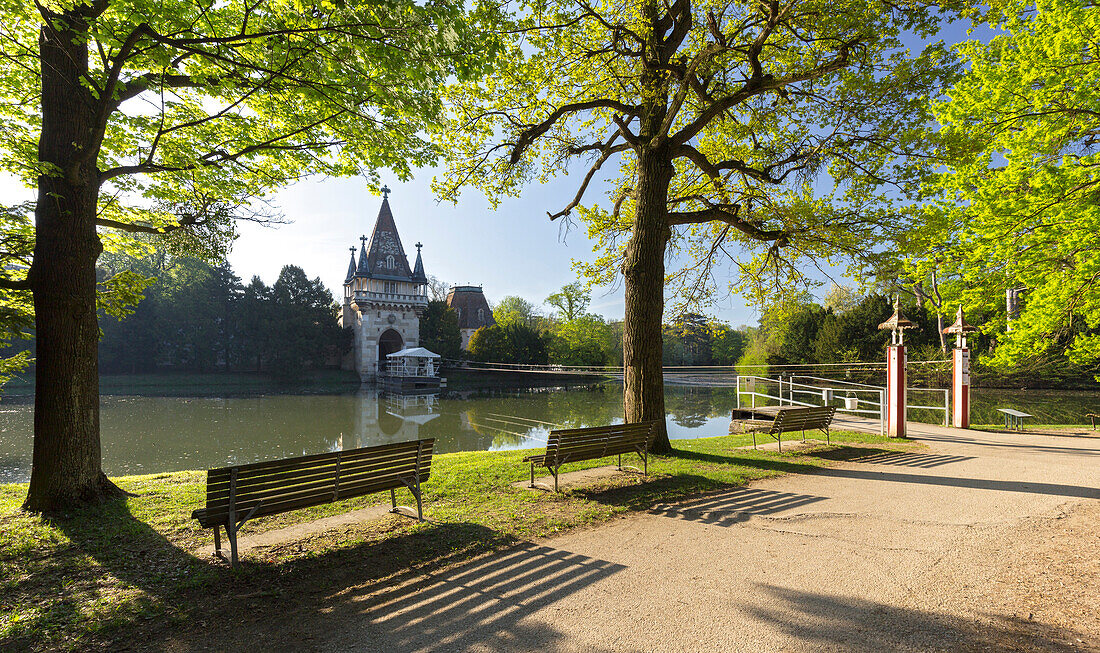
point(419, 501)
point(232, 533)
point(217, 540)
point(532, 475)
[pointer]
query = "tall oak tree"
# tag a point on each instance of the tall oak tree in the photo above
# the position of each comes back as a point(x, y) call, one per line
point(759, 135)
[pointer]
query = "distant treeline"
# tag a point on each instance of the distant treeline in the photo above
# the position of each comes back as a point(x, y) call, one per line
point(198, 317)
point(841, 329)
point(571, 336)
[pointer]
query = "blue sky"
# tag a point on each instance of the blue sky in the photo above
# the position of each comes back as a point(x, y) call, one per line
point(513, 250)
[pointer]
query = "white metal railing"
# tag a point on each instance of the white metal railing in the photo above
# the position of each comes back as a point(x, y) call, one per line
point(870, 396)
point(946, 407)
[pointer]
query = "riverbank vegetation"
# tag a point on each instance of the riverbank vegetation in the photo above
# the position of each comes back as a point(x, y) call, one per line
point(79, 579)
point(194, 317)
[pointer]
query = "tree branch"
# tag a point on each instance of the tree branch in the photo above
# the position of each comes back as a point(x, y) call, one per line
point(608, 150)
point(11, 284)
point(533, 132)
point(714, 213)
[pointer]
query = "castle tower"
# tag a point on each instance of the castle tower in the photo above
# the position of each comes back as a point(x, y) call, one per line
point(383, 297)
point(472, 310)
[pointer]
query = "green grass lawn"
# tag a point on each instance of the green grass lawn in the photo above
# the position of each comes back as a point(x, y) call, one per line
point(88, 578)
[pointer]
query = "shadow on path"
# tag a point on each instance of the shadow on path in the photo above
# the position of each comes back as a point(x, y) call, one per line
point(827, 622)
point(482, 604)
point(1027, 487)
point(734, 506)
point(922, 460)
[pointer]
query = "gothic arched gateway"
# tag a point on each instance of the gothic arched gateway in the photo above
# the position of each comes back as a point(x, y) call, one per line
point(389, 342)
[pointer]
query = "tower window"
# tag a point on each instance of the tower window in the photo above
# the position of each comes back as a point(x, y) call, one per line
point(389, 262)
point(481, 315)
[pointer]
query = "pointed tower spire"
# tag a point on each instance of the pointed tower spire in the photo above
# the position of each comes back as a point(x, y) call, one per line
point(363, 270)
point(418, 268)
point(351, 267)
point(383, 256)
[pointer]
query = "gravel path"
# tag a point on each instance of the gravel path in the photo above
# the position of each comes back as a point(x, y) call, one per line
point(983, 541)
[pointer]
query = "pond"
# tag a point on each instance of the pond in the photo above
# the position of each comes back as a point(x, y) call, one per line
point(150, 434)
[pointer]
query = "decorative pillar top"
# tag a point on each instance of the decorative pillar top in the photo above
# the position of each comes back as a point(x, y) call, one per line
point(897, 323)
point(960, 328)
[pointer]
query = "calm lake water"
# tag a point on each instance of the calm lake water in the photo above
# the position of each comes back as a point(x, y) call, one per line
point(147, 434)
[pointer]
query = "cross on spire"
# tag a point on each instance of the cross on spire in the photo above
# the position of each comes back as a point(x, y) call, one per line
point(351, 249)
point(385, 192)
point(363, 238)
point(418, 246)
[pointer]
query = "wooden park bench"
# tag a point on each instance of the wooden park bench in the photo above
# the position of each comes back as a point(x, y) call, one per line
point(1013, 417)
point(785, 419)
point(574, 445)
point(242, 492)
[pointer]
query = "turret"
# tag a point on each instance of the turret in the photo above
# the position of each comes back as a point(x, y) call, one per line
point(418, 268)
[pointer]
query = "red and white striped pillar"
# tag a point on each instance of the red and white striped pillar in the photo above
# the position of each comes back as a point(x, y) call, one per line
point(895, 391)
point(960, 388)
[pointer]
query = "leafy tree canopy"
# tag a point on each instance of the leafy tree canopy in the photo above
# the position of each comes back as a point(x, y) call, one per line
point(571, 301)
point(514, 309)
point(1023, 211)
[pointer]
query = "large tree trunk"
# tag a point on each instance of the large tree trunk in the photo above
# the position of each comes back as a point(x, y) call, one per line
point(66, 470)
point(644, 274)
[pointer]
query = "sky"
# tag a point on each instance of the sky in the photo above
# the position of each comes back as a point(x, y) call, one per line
point(512, 250)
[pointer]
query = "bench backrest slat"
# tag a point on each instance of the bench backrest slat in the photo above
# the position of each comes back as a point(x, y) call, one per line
point(803, 418)
point(282, 485)
point(568, 445)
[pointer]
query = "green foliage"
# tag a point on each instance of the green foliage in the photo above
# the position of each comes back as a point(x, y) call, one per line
point(798, 332)
point(585, 340)
point(512, 309)
point(511, 342)
point(16, 307)
point(746, 109)
point(304, 325)
point(439, 330)
point(187, 107)
point(687, 341)
point(1021, 209)
point(726, 344)
point(571, 301)
point(199, 317)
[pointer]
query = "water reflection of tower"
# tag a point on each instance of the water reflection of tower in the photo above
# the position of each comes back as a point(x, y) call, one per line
point(385, 418)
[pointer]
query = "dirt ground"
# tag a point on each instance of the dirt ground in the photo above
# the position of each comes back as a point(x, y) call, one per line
point(980, 542)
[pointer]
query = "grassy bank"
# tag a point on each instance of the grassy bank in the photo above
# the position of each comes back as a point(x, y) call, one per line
point(129, 572)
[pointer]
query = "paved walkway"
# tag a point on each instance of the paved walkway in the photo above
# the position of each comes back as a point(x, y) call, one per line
point(983, 541)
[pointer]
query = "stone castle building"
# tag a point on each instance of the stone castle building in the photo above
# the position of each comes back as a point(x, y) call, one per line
point(471, 309)
point(383, 297)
